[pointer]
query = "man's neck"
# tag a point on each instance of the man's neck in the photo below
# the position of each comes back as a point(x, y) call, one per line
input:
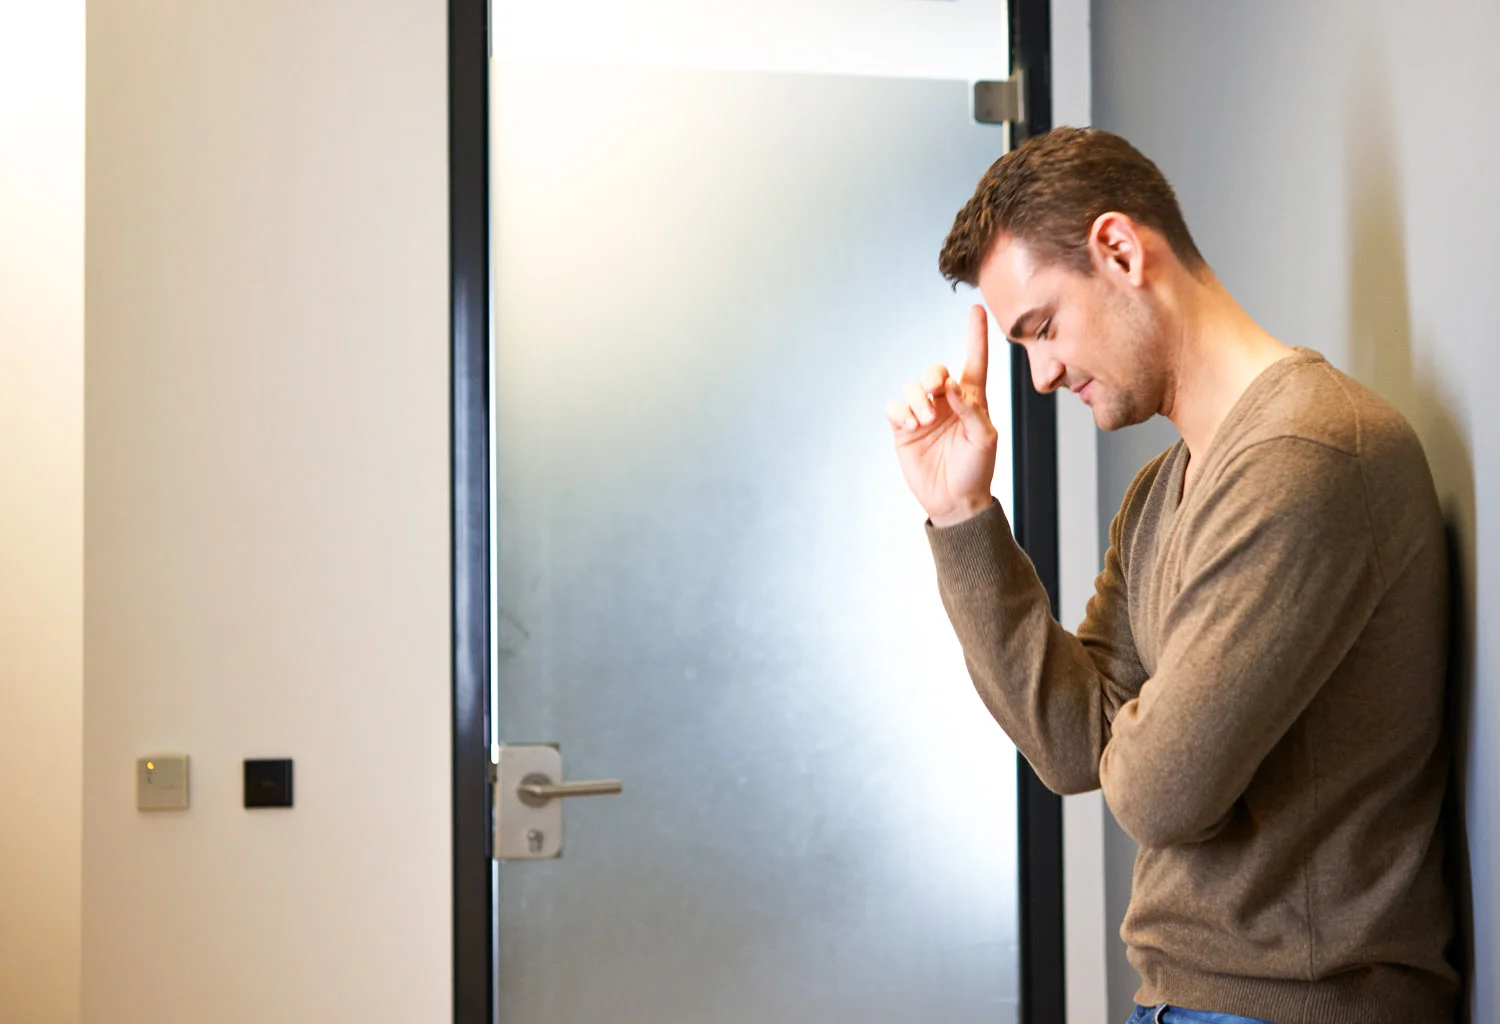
point(1219, 350)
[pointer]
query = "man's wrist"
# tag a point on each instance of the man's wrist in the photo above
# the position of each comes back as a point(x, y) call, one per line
point(966, 511)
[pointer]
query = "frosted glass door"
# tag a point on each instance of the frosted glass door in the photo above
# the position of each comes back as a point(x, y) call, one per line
point(710, 580)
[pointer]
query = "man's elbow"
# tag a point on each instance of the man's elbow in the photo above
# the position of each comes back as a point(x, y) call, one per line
point(1158, 816)
point(1066, 779)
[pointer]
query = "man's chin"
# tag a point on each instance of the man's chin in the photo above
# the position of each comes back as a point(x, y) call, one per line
point(1110, 420)
point(1106, 419)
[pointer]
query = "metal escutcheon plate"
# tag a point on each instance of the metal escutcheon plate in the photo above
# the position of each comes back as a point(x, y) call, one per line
point(525, 832)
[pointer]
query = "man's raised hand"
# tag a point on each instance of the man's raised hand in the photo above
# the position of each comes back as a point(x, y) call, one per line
point(945, 442)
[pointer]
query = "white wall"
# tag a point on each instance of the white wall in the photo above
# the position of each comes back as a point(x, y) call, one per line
point(1337, 164)
point(267, 539)
point(41, 506)
point(1087, 930)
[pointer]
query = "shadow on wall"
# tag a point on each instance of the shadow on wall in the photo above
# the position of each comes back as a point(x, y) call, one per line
point(1381, 353)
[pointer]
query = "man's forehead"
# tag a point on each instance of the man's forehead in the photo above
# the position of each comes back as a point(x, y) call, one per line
point(1008, 279)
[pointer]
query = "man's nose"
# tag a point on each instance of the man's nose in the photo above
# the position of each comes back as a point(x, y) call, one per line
point(1047, 374)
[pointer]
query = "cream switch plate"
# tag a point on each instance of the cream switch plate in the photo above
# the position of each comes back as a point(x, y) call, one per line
point(161, 783)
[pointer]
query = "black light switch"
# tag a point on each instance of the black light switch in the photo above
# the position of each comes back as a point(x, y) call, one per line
point(268, 783)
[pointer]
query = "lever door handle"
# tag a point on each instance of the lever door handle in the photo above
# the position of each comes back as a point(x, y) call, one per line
point(526, 797)
point(537, 789)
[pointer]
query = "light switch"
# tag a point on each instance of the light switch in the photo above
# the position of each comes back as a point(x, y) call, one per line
point(161, 783)
point(268, 782)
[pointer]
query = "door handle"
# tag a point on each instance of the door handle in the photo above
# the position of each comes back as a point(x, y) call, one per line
point(527, 800)
point(537, 789)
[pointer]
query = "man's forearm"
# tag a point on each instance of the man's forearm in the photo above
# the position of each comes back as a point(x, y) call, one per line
point(1037, 679)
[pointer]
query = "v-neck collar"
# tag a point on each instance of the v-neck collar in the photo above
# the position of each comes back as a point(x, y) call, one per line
point(1242, 408)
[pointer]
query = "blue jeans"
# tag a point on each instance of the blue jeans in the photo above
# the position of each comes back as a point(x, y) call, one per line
point(1176, 1015)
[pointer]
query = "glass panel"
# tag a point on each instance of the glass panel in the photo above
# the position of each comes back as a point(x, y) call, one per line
point(950, 39)
point(711, 580)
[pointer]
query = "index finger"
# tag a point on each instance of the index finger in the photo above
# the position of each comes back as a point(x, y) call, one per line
point(977, 358)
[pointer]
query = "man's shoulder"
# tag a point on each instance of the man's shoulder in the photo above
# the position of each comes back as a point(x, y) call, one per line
point(1316, 403)
point(1320, 437)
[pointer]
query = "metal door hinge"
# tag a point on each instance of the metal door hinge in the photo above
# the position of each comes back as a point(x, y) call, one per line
point(1001, 102)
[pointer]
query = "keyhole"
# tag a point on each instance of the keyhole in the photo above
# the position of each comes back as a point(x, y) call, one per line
point(534, 840)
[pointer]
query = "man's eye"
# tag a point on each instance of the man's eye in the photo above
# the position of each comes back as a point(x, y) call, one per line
point(1045, 331)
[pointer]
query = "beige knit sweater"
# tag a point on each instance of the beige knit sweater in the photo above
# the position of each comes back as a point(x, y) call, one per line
point(1258, 688)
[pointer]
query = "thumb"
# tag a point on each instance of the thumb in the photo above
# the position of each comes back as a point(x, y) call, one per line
point(975, 420)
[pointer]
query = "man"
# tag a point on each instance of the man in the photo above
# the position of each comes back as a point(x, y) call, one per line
point(1258, 683)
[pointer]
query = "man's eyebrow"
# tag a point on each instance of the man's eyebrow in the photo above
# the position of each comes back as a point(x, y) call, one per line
point(1022, 326)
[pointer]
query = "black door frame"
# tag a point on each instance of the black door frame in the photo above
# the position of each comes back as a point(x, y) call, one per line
point(1034, 433)
point(469, 267)
point(1034, 470)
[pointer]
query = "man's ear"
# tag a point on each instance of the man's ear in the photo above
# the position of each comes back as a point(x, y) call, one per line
point(1115, 248)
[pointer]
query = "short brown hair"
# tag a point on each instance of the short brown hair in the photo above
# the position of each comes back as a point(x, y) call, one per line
point(1048, 192)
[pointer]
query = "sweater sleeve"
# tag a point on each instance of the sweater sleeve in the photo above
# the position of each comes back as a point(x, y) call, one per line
point(1053, 693)
point(1278, 580)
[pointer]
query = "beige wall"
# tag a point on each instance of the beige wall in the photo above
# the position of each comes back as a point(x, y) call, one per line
point(267, 568)
point(1337, 164)
point(41, 507)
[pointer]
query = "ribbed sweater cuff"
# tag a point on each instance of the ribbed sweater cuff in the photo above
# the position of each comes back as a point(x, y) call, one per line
point(976, 555)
